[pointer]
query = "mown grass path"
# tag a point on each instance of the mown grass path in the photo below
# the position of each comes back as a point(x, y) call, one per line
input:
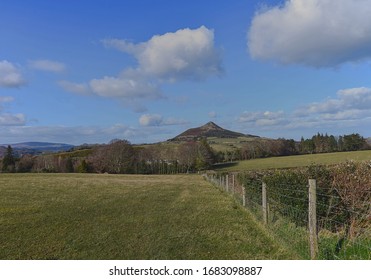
point(91, 216)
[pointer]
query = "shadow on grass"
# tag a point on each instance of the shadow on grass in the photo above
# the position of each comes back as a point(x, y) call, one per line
point(224, 165)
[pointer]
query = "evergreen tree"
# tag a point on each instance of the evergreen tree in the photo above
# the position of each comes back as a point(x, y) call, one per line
point(340, 144)
point(83, 167)
point(333, 144)
point(69, 165)
point(353, 142)
point(307, 146)
point(9, 160)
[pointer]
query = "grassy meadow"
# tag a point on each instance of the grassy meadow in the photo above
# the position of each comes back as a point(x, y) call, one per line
point(99, 216)
point(294, 161)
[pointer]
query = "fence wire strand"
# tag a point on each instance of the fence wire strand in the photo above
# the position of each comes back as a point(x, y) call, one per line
point(342, 232)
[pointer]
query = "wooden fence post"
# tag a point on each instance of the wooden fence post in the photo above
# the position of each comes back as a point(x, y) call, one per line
point(264, 203)
point(226, 183)
point(232, 185)
point(243, 196)
point(312, 219)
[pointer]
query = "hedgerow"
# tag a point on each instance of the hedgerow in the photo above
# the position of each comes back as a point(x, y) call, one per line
point(343, 194)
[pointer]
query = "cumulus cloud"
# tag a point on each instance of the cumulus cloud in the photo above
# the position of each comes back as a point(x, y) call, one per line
point(128, 87)
point(79, 88)
point(8, 119)
point(187, 54)
point(266, 118)
point(124, 88)
point(318, 33)
point(351, 107)
point(10, 75)
point(47, 65)
point(158, 120)
point(150, 120)
point(12, 120)
point(348, 100)
point(120, 44)
point(345, 115)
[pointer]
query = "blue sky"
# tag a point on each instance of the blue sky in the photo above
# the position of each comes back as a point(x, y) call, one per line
point(91, 71)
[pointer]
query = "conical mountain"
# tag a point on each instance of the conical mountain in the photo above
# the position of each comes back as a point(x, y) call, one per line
point(208, 130)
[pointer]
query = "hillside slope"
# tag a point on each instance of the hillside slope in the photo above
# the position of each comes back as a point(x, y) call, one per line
point(34, 148)
point(208, 130)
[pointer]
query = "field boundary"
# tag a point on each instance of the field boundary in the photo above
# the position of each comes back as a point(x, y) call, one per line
point(303, 217)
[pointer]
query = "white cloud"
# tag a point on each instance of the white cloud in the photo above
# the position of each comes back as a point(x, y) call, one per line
point(266, 118)
point(128, 86)
point(12, 120)
point(345, 115)
point(319, 33)
point(357, 98)
point(79, 88)
point(150, 120)
point(7, 119)
point(187, 54)
point(351, 108)
point(158, 120)
point(352, 99)
point(124, 88)
point(121, 45)
point(47, 65)
point(10, 75)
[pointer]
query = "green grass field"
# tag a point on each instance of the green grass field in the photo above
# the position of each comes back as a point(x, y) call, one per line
point(294, 161)
point(96, 216)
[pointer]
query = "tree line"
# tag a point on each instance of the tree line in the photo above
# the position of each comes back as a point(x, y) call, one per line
point(319, 143)
point(328, 143)
point(121, 157)
point(118, 157)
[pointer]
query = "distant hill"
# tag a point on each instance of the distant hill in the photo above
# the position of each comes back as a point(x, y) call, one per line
point(35, 148)
point(208, 130)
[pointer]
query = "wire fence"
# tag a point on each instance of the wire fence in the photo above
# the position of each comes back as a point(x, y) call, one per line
point(313, 222)
point(344, 229)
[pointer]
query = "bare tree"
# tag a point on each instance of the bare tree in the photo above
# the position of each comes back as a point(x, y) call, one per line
point(117, 157)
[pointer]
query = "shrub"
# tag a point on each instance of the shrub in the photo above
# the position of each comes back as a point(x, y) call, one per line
point(343, 195)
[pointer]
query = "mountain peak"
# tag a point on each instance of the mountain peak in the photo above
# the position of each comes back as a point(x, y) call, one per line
point(211, 125)
point(210, 129)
